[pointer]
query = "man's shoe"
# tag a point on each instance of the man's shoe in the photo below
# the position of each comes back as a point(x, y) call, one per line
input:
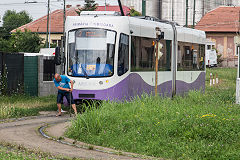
point(62, 111)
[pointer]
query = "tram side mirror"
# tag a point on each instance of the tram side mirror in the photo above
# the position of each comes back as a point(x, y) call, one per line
point(160, 36)
point(57, 58)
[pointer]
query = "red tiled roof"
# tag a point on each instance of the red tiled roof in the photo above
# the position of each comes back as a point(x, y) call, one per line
point(222, 19)
point(56, 20)
point(113, 8)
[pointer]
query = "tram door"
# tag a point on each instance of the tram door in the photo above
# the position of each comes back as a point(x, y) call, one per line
point(123, 63)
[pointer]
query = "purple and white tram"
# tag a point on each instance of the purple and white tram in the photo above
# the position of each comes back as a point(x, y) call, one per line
point(113, 57)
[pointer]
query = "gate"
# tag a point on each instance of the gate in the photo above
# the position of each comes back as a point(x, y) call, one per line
point(31, 75)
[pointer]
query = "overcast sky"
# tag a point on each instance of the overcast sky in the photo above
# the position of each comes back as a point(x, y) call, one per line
point(39, 9)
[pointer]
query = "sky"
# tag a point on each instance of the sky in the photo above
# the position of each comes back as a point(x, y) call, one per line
point(39, 8)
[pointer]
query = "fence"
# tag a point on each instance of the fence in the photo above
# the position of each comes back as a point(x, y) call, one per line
point(31, 74)
point(11, 73)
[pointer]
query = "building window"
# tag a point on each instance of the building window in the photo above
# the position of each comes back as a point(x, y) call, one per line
point(57, 42)
point(237, 50)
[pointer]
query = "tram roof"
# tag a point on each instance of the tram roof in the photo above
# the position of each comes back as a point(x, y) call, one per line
point(137, 27)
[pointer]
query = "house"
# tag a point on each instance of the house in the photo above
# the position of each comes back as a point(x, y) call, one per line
point(222, 25)
point(56, 22)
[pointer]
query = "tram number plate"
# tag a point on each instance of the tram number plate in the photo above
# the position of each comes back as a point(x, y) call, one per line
point(91, 67)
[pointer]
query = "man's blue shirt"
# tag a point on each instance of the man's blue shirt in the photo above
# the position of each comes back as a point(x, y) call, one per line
point(64, 83)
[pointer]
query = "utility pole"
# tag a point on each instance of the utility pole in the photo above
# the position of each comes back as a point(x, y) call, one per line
point(64, 15)
point(194, 12)
point(144, 7)
point(157, 29)
point(47, 23)
point(203, 9)
point(49, 30)
point(105, 5)
point(172, 10)
point(186, 13)
point(160, 9)
point(121, 9)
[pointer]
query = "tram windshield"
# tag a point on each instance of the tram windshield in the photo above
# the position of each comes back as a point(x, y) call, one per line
point(91, 53)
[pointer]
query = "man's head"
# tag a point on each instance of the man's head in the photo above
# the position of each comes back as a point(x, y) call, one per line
point(57, 77)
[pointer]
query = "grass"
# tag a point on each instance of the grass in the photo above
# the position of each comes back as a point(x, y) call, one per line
point(20, 105)
point(12, 152)
point(197, 126)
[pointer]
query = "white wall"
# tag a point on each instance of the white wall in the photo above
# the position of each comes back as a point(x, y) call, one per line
point(179, 8)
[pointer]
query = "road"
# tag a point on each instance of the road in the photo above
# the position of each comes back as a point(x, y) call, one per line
point(26, 132)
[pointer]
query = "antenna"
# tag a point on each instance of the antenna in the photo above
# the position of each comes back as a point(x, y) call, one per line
point(120, 6)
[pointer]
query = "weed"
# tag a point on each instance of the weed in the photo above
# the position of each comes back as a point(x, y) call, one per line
point(20, 105)
point(196, 126)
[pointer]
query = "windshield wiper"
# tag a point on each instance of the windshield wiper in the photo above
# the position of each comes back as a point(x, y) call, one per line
point(85, 73)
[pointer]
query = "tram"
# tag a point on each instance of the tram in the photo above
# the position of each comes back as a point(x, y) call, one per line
point(112, 57)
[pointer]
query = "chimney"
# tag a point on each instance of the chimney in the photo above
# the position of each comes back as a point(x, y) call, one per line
point(68, 6)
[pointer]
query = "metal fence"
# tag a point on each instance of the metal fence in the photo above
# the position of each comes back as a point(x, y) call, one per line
point(11, 73)
point(48, 69)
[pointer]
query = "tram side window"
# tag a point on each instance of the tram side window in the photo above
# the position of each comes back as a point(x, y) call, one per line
point(164, 63)
point(190, 56)
point(123, 54)
point(71, 48)
point(202, 57)
point(143, 56)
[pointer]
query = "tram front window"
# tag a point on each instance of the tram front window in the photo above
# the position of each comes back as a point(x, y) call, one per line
point(91, 52)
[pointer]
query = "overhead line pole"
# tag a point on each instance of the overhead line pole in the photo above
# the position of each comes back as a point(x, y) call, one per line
point(105, 5)
point(194, 13)
point(120, 6)
point(203, 9)
point(63, 38)
point(64, 15)
point(49, 30)
point(186, 13)
point(160, 9)
point(172, 10)
point(144, 7)
point(47, 23)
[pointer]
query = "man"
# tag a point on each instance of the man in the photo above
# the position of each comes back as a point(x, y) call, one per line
point(62, 84)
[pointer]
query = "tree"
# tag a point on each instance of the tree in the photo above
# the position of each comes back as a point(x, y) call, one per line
point(13, 20)
point(25, 42)
point(4, 45)
point(133, 12)
point(18, 41)
point(89, 5)
point(21, 42)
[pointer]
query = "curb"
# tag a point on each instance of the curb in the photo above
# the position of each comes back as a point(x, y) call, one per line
point(77, 144)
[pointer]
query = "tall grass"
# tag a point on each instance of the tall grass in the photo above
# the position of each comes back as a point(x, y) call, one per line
point(21, 105)
point(197, 126)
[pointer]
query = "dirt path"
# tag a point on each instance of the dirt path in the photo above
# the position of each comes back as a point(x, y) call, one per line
point(25, 132)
